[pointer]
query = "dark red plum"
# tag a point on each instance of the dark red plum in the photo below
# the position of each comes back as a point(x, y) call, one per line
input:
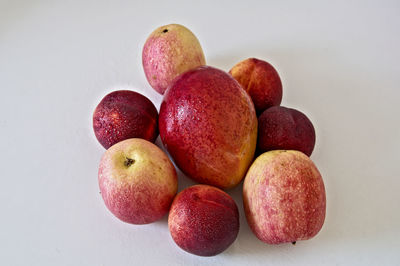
point(123, 115)
point(281, 128)
point(203, 220)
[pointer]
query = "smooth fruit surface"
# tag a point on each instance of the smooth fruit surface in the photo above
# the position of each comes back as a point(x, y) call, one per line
point(281, 128)
point(123, 115)
point(137, 181)
point(209, 126)
point(203, 220)
point(169, 51)
point(261, 81)
point(284, 197)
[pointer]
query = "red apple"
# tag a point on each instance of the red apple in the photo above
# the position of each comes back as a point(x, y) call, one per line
point(169, 51)
point(123, 115)
point(281, 128)
point(203, 220)
point(137, 181)
point(209, 126)
point(284, 197)
point(261, 81)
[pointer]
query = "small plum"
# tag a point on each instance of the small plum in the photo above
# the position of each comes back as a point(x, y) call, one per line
point(281, 128)
point(203, 220)
point(123, 115)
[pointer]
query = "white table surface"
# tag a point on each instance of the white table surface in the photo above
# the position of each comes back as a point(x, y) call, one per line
point(339, 62)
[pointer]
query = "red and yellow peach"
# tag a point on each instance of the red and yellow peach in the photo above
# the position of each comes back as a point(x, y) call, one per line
point(169, 51)
point(261, 81)
point(137, 181)
point(284, 197)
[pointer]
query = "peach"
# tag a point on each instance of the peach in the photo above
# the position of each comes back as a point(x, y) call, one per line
point(209, 126)
point(284, 197)
point(123, 115)
point(137, 181)
point(169, 51)
point(281, 128)
point(203, 220)
point(261, 81)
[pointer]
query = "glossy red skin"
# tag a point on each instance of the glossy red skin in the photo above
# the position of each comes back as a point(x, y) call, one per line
point(203, 220)
point(281, 128)
point(123, 115)
point(206, 119)
point(261, 81)
point(284, 197)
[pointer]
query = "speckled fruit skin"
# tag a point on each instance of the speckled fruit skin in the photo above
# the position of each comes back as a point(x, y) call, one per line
point(169, 51)
point(203, 220)
point(123, 115)
point(281, 128)
point(209, 126)
point(261, 81)
point(137, 181)
point(284, 197)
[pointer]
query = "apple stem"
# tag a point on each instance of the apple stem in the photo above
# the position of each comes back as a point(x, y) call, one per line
point(128, 162)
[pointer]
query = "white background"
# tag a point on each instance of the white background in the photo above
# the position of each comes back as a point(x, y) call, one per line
point(339, 62)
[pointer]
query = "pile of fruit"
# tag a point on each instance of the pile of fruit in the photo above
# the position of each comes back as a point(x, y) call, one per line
point(208, 124)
